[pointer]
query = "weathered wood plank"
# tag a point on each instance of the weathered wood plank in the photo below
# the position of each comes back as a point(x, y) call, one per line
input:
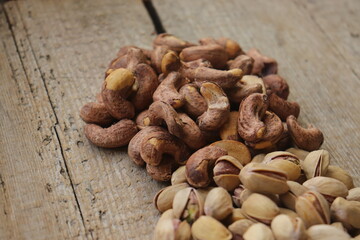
point(339, 21)
point(36, 197)
point(324, 85)
point(72, 43)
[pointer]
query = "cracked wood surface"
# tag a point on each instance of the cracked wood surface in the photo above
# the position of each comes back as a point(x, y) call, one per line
point(55, 185)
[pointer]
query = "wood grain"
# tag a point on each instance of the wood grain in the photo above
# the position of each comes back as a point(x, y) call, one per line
point(325, 86)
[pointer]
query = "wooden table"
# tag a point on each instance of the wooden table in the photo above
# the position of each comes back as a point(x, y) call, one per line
point(55, 185)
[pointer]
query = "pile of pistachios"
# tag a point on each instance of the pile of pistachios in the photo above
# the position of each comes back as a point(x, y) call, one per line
point(292, 194)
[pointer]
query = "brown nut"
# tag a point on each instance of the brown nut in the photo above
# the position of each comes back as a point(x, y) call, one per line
point(262, 178)
point(244, 62)
point(117, 87)
point(117, 135)
point(341, 175)
point(346, 212)
point(164, 198)
point(276, 84)
point(252, 110)
point(143, 120)
point(214, 53)
point(157, 56)
point(241, 90)
point(228, 130)
point(96, 113)
point(232, 48)
point(226, 172)
point(313, 208)
point(195, 104)
point(283, 108)
point(316, 163)
point(263, 65)
point(218, 109)
point(200, 164)
point(168, 92)
point(188, 205)
point(192, 135)
point(161, 172)
point(330, 188)
point(173, 43)
point(309, 139)
point(146, 83)
point(285, 161)
point(288, 199)
point(235, 149)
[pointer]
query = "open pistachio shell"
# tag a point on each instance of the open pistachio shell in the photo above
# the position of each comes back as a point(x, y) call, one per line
point(288, 199)
point(301, 154)
point(316, 163)
point(226, 172)
point(285, 161)
point(208, 228)
point(288, 228)
point(188, 205)
point(239, 227)
point(258, 231)
point(164, 198)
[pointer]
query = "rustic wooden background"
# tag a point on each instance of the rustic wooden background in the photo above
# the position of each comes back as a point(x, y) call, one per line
point(55, 185)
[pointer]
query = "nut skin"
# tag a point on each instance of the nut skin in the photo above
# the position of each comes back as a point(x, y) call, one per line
point(288, 228)
point(262, 178)
point(330, 188)
point(117, 87)
point(244, 62)
point(346, 212)
point(117, 135)
point(226, 172)
point(258, 231)
point(200, 164)
point(325, 232)
point(218, 204)
point(172, 42)
point(195, 104)
point(285, 161)
point(263, 65)
point(316, 163)
point(161, 172)
point(277, 85)
point(96, 113)
point(218, 109)
point(214, 53)
point(260, 208)
point(308, 139)
point(143, 120)
point(282, 107)
point(168, 92)
point(341, 175)
point(209, 228)
point(164, 198)
point(313, 208)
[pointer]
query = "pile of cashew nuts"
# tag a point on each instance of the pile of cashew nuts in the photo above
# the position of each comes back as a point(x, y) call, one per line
point(167, 104)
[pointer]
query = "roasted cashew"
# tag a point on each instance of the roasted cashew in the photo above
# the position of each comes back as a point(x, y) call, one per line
point(96, 113)
point(173, 43)
point(282, 107)
point(232, 48)
point(244, 62)
point(262, 65)
point(195, 103)
point(276, 84)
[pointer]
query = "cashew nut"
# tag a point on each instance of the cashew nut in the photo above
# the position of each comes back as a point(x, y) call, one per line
point(232, 48)
point(282, 107)
point(96, 113)
point(117, 135)
point(173, 43)
point(308, 139)
point(228, 130)
point(276, 84)
point(244, 62)
point(262, 65)
point(195, 104)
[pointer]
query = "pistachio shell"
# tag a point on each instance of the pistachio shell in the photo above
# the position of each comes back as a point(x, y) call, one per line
point(354, 194)
point(258, 231)
point(316, 163)
point(208, 228)
point(226, 171)
point(329, 187)
point(262, 178)
point(341, 175)
point(164, 198)
point(339, 225)
point(258, 158)
point(179, 176)
point(188, 205)
point(288, 212)
point(285, 161)
point(326, 232)
point(289, 198)
point(346, 212)
point(236, 215)
point(313, 208)
point(239, 227)
point(218, 203)
point(288, 228)
point(260, 208)
point(301, 154)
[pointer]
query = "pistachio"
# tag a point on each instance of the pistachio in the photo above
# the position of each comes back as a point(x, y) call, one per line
point(218, 203)
point(179, 176)
point(168, 227)
point(226, 172)
point(208, 228)
point(188, 205)
point(164, 198)
point(288, 228)
point(288, 199)
point(237, 195)
point(313, 208)
point(260, 208)
point(316, 163)
point(262, 178)
point(241, 194)
point(285, 161)
point(326, 232)
point(330, 188)
point(301, 154)
point(236, 215)
point(354, 194)
point(346, 212)
point(341, 175)
point(239, 227)
point(258, 231)
point(258, 158)
point(288, 212)
point(339, 225)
